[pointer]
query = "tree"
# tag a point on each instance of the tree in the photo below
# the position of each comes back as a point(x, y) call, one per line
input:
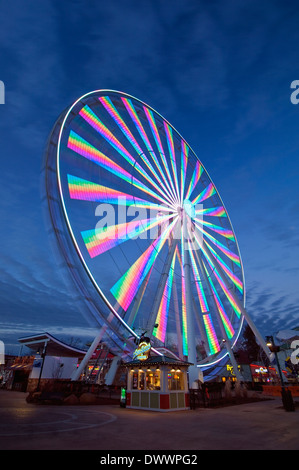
point(251, 348)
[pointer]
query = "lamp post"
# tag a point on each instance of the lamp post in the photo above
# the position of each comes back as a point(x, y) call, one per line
point(287, 398)
point(43, 355)
point(273, 348)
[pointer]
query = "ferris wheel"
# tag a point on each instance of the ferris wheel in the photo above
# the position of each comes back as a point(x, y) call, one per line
point(143, 231)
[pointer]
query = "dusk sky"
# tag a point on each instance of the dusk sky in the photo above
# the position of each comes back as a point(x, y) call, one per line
point(219, 71)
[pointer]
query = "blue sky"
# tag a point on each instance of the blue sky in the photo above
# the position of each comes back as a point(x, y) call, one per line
point(219, 72)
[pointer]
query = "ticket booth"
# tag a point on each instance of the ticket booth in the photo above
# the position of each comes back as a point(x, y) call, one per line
point(157, 383)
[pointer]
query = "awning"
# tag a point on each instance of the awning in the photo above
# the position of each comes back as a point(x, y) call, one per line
point(55, 347)
point(287, 335)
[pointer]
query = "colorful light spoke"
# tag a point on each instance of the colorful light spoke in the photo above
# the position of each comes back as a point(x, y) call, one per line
point(99, 240)
point(225, 320)
point(184, 301)
point(199, 287)
point(213, 211)
point(97, 124)
point(160, 331)
point(184, 163)
point(194, 180)
point(125, 289)
point(85, 190)
point(222, 283)
point(107, 103)
point(156, 136)
point(205, 194)
point(226, 269)
point(222, 231)
point(171, 150)
point(211, 334)
point(134, 116)
point(230, 254)
point(83, 148)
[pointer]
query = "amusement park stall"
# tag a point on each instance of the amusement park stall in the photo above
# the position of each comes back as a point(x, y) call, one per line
point(157, 383)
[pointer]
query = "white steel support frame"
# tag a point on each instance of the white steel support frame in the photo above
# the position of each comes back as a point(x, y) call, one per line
point(177, 319)
point(163, 280)
point(201, 327)
point(83, 364)
point(193, 370)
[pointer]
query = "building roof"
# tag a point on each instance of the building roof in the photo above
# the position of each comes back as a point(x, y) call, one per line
point(158, 360)
point(55, 347)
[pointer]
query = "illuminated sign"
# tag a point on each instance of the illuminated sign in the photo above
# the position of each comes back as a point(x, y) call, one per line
point(261, 370)
point(230, 369)
point(142, 352)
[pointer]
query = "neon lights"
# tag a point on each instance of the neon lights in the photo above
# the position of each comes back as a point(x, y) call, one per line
point(205, 194)
point(184, 162)
point(125, 289)
point(107, 103)
point(85, 190)
point(134, 116)
point(184, 303)
point(225, 320)
point(211, 334)
point(216, 228)
point(156, 136)
point(170, 144)
point(213, 211)
point(194, 180)
point(160, 331)
point(83, 148)
point(142, 352)
point(99, 240)
point(222, 284)
point(226, 269)
point(198, 283)
point(154, 129)
point(97, 124)
point(234, 257)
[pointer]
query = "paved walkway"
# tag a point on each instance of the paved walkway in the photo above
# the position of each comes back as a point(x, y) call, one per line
point(262, 425)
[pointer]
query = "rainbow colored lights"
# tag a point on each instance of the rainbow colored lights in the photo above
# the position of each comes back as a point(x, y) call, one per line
point(160, 331)
point(126, 288)
point(211, 334)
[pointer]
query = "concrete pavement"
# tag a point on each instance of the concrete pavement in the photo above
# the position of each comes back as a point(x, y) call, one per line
point(261, 425)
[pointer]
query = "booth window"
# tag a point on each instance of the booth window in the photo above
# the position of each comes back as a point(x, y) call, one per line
point(149, 380)
point(175, 380)
point(141, 379)
point(153, 379)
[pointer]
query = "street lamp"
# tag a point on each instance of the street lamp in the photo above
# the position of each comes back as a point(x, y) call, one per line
point(275, 349)
point(287, 398)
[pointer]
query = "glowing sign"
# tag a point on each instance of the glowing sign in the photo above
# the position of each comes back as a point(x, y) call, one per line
point(261, 370)
point(230, 369)
point(142, 352)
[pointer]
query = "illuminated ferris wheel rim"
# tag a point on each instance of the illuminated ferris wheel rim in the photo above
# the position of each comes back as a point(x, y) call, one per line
point(102, 92)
